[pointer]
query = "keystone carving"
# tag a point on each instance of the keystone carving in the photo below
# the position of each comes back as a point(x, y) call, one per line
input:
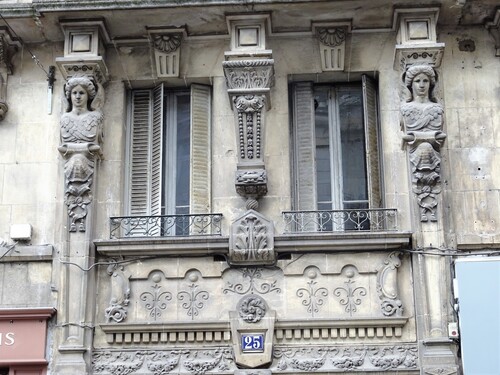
point(167, 42)
point(252, 240)
point(422, 120)
point(331, 36)
point(81, 136)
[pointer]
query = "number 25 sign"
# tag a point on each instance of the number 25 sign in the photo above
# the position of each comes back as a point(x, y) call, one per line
point(252, 342)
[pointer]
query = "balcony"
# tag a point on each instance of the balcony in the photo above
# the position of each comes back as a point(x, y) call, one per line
point(364, 220)
point(165, 226)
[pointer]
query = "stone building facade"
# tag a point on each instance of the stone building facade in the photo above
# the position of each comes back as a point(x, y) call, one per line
point(247, 187)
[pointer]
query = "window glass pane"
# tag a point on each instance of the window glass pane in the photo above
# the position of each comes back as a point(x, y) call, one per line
point(182, 155)
point(351, 122)
point(323, 166)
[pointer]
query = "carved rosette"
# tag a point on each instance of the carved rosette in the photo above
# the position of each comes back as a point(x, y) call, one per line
point(387, 285)
point(252, 240)
point(81, 136)
point(422, 121)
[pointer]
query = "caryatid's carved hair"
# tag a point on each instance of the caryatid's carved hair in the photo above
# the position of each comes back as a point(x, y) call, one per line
point(414, 71)
point(87, 84)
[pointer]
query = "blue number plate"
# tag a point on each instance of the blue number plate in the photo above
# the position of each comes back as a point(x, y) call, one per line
point(252, 342)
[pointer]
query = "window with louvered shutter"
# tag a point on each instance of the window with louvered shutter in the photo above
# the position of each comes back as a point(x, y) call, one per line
point(168, 151)
point(336, 156)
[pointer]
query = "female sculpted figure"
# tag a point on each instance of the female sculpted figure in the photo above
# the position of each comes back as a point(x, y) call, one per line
point(82, 122)
point(423, 122)
point(81, 134)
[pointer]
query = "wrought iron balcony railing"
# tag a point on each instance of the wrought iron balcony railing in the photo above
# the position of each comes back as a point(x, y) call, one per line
point(165, 226)
point(370, 220)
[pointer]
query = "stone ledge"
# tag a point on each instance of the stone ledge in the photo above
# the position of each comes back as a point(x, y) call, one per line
point(35, 253)
point(291, 243)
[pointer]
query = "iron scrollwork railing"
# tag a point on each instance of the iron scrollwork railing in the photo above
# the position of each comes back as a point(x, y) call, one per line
point(165, 226)
point(370, 220)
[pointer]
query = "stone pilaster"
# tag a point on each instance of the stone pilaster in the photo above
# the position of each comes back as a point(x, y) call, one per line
point(417, 56)
point(81, 129)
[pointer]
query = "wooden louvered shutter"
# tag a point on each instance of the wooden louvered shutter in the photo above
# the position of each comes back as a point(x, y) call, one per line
point(139, 154)
point(303, 129)
point(145, 152)
point(157, 150)
point(371, 141)
point(200, 194)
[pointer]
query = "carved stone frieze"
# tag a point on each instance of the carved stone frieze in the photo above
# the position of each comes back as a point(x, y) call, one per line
point(81, 136)
point(440, 370)
point(346, 358)
point(312, 297)
point(387, 285)
point(160, 362)
point(193, 299)
point(120, 293)
point(422, 120)
point(252, 240)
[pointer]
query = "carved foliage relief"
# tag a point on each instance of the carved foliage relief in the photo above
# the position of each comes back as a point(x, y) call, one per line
point(422, 118)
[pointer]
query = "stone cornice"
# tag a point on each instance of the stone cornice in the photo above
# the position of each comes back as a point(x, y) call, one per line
point(292, 243)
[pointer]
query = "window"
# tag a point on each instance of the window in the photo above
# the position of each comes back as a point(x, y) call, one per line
point(169, 151)
point(336, 146)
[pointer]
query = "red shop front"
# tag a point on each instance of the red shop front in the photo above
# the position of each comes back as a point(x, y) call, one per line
point(23, 339)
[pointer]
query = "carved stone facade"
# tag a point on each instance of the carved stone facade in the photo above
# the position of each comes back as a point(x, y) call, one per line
point(272, 263)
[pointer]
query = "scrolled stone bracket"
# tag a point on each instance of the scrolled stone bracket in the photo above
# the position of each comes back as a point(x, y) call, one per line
point(120, 293)
point(387, 285)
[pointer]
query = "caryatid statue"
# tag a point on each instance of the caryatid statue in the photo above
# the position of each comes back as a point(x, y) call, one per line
point(422, 120)
point(81, 136)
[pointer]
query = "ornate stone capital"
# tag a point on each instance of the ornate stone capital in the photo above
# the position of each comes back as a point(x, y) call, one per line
point(406, 56)
point(251, 184)
point(249, 77)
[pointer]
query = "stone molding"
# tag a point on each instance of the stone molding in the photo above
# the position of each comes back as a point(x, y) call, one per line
point(387, 285)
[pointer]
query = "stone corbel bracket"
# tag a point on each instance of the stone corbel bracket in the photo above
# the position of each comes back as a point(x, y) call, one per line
point(332, 38)
point(494, 29)
point(84, 49)
point(252, 331)
point(252, 240)
point(8, 47)
point(166, 44)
